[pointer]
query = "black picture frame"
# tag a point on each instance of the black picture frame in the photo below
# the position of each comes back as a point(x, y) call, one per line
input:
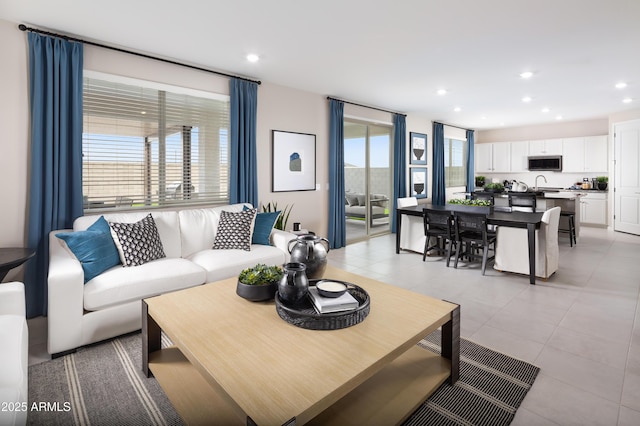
point(417, 148)
point(293, 161)
point(418, 183)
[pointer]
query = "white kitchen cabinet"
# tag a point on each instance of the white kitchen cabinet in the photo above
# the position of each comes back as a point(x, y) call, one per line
point(595, 154)
point(492, 157)
point(545, 147)
point(588, 154)
point(593, 209)
point(519, 154)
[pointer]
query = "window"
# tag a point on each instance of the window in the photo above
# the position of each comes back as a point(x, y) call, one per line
point(455, 162)
point(146, 145)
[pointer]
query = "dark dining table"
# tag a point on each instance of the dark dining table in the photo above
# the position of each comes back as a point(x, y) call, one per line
point(12, 257)
point(516, 219)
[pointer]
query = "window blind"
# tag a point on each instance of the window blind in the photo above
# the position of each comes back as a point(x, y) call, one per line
point(145, 147)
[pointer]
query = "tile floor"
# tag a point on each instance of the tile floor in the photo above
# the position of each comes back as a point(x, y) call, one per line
point(581, 327)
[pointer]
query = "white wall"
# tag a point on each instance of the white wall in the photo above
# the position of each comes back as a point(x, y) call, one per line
point(570, 129)
point(14, 142)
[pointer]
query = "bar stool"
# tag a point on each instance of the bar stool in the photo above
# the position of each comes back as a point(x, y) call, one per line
point(571, 218)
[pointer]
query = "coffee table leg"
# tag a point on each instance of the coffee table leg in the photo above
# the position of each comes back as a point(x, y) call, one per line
point(451, 344)
point(151, 338)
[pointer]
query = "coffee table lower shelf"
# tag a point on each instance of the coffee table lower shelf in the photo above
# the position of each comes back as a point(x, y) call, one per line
point(388, 397)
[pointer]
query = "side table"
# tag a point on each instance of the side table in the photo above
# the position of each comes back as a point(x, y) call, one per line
point(12, 257)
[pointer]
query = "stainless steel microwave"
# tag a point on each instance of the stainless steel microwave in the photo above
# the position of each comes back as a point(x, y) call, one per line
point(545, 162)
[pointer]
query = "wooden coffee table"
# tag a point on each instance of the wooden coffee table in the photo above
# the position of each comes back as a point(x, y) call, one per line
point(238, 362)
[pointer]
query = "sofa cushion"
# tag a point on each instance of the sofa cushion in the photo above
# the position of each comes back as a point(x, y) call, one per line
point(14, 336)
point(234, 230)
point(198, 227)
point(120, 285)
point(166, 222)
point(137, 243)
point(94, 248)
point(221, 264)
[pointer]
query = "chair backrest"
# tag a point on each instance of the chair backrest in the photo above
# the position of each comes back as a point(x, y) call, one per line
point(407, 202)
point(471, 224)
point(525, 201)
point(438, 219)
point(482, 196)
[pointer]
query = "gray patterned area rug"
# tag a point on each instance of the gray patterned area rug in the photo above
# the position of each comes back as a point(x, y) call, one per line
point(103, 385)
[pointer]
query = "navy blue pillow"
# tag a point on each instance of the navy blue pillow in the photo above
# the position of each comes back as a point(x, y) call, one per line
point(263, 226)
point(94, 248)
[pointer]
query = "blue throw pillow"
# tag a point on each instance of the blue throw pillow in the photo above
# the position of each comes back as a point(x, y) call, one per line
point(94, 248)
point(263, 226)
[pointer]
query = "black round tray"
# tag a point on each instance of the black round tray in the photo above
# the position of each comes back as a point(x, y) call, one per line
point(304, 315)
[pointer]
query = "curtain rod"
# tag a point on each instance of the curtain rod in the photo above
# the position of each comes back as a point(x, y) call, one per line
point(457, 127)
point(23, 27)
point(365, 106)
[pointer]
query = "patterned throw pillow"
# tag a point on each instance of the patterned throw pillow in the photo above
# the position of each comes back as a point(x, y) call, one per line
point(234, 230)
point(137, 243)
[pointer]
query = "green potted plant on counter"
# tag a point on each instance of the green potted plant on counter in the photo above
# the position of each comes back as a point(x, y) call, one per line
point(602, 182)
point(494, 187)
point(480, 181)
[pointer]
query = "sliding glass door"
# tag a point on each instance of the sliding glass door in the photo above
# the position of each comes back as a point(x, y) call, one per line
point(368, 179)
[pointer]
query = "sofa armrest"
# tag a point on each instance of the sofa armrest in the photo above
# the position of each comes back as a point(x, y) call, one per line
point(281, 240)
point(66, 297)
point(12, 299)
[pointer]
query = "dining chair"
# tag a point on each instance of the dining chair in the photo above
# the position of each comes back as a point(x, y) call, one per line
point(471, 233)
point(522, 201)
point(438, 226)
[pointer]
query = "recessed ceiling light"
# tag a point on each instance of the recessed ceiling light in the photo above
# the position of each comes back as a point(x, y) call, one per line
point(558, 117)
point(484, 117)
point(526, 74)
point(526, 99)
point(143, 112)
point(457, 109)
point(441, 92)
point(627, 100)
point(621, 85)
point(501, 124)
point(252, 57)
point(545, 110)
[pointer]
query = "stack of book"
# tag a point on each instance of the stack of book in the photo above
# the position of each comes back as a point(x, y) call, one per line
point(326, 305)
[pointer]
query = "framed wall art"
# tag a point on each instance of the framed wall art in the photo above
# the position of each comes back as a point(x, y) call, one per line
point(418, 182)
point(418, 154)
point(294, 161)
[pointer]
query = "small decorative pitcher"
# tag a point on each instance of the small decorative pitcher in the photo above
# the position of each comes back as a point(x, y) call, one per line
point(310, 250)
point(293, 285)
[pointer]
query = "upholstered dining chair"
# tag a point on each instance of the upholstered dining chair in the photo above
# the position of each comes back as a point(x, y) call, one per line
point(512, 249)
point(412, 231)
point(438, 228)
point(472, 234)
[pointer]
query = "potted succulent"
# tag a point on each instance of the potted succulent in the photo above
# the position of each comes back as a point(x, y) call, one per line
point(602, 182)
point(480, 181)
point(494, 187)
point(259, 282)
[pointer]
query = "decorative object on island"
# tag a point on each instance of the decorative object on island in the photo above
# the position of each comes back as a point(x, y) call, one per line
point(330, 288)
point(418, 182)
point(480, 181)
point(466, 202)
point(602, 182)
point(309, 250)
point(418, 148)
point(294, 284)
point(259, 282)
point(281, 222)
point(294, 161)
point(494, 187)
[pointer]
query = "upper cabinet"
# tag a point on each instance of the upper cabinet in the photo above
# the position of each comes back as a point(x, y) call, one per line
point(519, 154)
point(545, 147)
point(492, 157)
point(588, 154)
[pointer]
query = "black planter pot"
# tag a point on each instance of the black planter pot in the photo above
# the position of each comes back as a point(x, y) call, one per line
point(257, 293)
point(602, 186)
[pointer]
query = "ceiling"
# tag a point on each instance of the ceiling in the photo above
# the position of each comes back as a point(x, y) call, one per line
point(389, 54)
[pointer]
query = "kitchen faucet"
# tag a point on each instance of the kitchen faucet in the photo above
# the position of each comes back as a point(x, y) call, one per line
point(540, 176)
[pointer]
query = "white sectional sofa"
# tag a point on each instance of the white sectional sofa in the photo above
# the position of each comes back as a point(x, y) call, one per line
point(14, 356)
point(110, 304)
